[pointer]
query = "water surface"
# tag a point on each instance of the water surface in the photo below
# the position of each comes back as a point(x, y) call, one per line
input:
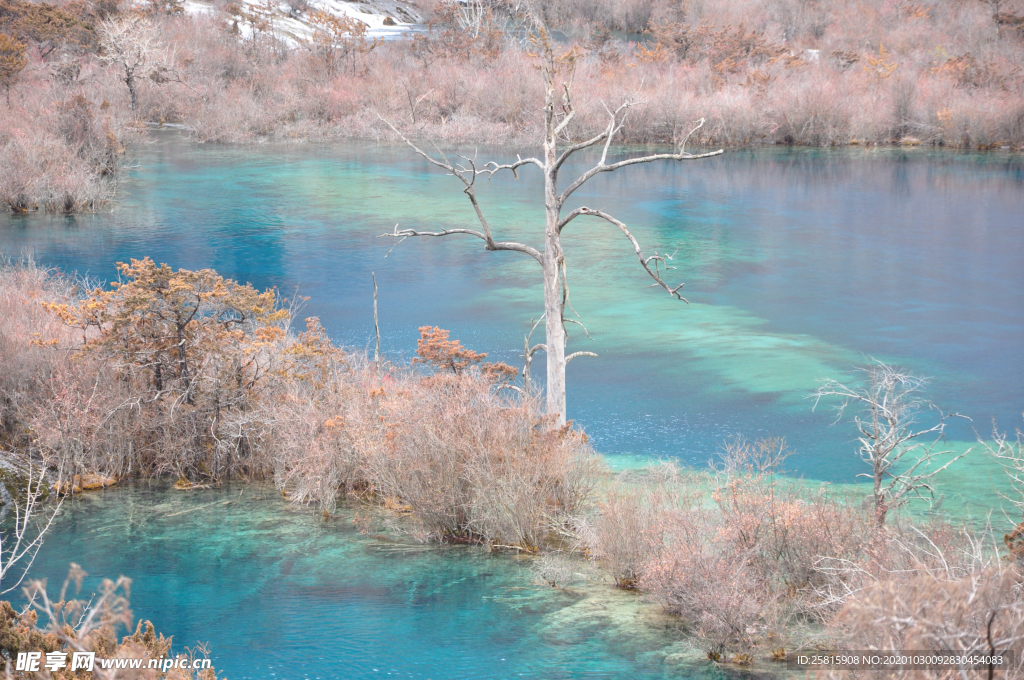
point(280, 593)
point(798, 263)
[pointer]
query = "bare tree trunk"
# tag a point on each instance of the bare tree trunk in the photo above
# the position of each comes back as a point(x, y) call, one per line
point(557, 71)
point(554, 330)
point(554, 302)
point(130, 82)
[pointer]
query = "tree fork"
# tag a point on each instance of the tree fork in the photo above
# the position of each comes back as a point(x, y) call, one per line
point(558, 113)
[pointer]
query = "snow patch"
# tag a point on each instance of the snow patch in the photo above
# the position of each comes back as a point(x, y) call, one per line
point(292, 27)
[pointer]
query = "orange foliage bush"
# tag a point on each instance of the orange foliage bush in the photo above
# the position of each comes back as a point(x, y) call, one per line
point(189, 374)
point(71, 624)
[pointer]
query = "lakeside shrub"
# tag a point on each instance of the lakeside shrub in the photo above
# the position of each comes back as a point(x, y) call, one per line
point(70, 624)
point(189, 374)
point(758, 566)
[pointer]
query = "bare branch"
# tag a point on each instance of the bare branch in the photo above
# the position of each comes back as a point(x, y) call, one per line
point(602, 166)
point(889, 405)
point(493, 167)
point(571, 111)
point(467, 175)
point(579, 354)
point(579, 147)
point(645, 262)
point(492, 245)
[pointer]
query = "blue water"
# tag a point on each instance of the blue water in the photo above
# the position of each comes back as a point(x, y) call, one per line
point(799, 264)
point(280, 593)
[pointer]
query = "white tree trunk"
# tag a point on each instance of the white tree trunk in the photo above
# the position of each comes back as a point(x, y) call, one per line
point(558, 111)
point(554, 327)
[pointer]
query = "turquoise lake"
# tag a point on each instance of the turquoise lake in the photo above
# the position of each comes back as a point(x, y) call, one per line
point(279, 593)
point(799, 264)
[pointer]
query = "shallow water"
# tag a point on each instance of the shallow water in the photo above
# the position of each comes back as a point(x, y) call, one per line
point(280, 593)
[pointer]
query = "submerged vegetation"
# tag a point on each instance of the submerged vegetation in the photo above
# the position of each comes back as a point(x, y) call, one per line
point(84, 78)
point(188, 375)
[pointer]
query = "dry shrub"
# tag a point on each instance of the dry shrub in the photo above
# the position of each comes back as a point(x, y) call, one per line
point(978, 611)
point(764, 564)
point(161, 357)
point(628, 532)
point(41, 171)
point(28, 334)
point(141, 378)
point(468, 460)
point(71, 624)
point(741, 569)
point(938, 589)
point(474, 466)
point(712, 586)
point(758, 71)
point(186, 373)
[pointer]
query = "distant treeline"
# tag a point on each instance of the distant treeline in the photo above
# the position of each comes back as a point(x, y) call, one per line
point(83, 77)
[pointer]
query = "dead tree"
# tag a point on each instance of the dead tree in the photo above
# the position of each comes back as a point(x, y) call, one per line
point(558, 146)
point(1010, 453)
point(889, 406)
point(129, 42)
point(24, 517)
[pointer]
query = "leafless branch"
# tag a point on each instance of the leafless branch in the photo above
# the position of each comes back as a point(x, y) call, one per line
point(467, 175)
point(608, 135)
point(579, 354)
point(890, 405)
point(20, 542)
point(659, 261)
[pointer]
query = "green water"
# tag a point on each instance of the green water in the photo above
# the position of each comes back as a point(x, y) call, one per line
point(798, 265)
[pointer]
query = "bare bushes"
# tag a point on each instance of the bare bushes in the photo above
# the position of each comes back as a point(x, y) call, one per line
point(742, 568)
point(757, 565)
point(27, 335)
point(467, 460)
point(188, 374)
point(61, 138)
point(629, 15)
point(474, 466)
point(758, 72)
point(977, 610)
point(628, 531)
point(41, 172)
point(61, 143)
